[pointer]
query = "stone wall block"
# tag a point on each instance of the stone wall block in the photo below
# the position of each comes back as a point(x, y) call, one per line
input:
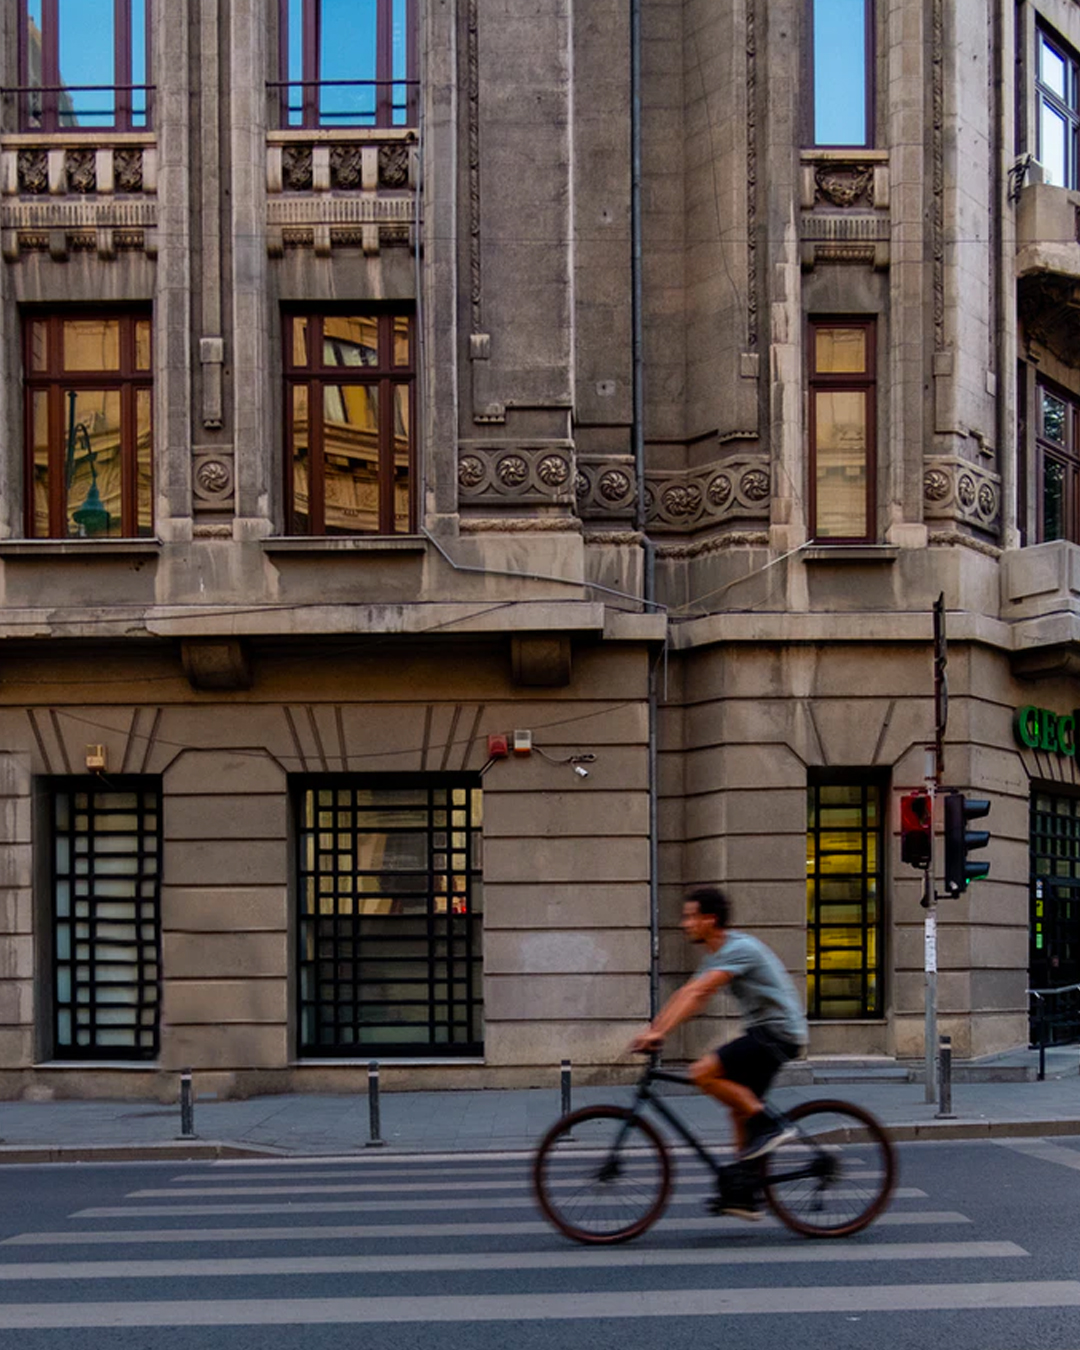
point(243, 862)
point(251, 816)
point(212, 1002)
point(224, 909)
point(544, 997)
point(577, 860)
point(554, 813)
point(580, 952)
point(230, 773)
point(224, 1047)
point(202, 956)
point(566, 905)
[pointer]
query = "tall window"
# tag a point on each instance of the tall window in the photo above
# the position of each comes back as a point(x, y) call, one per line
point(390, 916)
point(841, 67)
point(1058, 92)
point(1057, 465)
point(842, 440)
point(844, 897)
point(88, 431)
point(84, 64)
point(348, 63)
point(106, 926)
point(349, 418)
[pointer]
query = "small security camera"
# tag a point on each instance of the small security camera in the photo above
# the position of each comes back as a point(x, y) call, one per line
point(581, 773)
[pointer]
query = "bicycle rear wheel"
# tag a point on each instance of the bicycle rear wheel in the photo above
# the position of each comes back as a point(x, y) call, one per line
point(602, 1175)
point(836, 1175)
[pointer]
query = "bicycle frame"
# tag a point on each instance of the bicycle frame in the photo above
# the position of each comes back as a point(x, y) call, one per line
point(817, 1166)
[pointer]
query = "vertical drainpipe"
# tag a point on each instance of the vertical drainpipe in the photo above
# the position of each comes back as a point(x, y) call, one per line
point(638, 438)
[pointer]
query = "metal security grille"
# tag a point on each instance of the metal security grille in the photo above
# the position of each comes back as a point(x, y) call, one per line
point(390, 921)
point(106, 918)
point(1054, 950)
point(844, 900)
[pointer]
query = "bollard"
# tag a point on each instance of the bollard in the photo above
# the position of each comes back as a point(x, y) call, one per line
point(566, 1087)
point(945, 1111)
point(187, 1106)
point(376, 1140)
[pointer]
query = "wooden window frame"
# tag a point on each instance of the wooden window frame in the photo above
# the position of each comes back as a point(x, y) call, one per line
point(865, 780)
point(809, 77)
point(310, 38)
point(1067, 455)
point(316, 375)
point(51, 83)
point(843, 383)
point(1068, 108)
point(55, 380)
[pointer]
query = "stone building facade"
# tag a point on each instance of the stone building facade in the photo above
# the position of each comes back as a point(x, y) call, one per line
point(471, 471)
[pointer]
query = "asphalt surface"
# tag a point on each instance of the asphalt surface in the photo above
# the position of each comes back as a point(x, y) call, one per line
point(979, 1250)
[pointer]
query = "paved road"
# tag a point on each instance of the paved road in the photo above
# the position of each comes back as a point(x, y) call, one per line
point(980, 1249)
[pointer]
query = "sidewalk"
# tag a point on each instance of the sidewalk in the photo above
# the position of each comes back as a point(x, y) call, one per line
point(434, 1122)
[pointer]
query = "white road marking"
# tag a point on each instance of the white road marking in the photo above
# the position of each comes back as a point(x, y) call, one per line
point(604, 1306)
point(385, 1231)
point(382, 1264)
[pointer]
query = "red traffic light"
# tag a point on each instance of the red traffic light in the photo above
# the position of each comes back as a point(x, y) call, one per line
point(916, 829)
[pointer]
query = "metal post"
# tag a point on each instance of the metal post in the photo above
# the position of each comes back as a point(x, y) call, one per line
point(187, 1106)
point(945, 1111)
point(929, 904)
point(376, 1140)
point(566, 1108)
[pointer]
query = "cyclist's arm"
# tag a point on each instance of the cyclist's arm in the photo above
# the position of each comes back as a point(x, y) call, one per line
point(685, 1003)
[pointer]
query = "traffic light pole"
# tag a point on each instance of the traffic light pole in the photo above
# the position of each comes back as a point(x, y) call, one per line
point(935, 768)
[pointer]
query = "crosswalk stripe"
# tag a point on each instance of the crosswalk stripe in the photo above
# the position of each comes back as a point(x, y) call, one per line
point(436, 1308)
point(385, 1232)
point(1045, 1151)
point(381, 1264)
point(522, 1184)
point(397, 1206)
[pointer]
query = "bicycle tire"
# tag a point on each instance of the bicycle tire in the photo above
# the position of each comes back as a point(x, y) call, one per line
point(594, 1211)
point(848, 1198)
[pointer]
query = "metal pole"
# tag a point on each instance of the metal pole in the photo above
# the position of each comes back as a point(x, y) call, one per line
point(566, 1108)
point(945, 1111)
point(375, 1141)
point(929, 903)
point(187, 1106)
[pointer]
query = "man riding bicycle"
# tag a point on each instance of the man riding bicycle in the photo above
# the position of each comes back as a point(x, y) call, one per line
point(738, 1073)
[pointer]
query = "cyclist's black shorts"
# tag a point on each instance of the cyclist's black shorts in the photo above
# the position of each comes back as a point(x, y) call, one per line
point(755, 1058)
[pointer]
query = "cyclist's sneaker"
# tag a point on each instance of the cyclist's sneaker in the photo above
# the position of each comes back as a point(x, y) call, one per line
point(764, 1132)
point(740, 1205)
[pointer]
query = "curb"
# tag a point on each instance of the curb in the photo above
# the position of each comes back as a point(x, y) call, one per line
point(211, 1150)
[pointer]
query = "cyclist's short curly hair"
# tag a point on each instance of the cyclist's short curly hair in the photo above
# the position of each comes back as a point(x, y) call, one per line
point(711, 900)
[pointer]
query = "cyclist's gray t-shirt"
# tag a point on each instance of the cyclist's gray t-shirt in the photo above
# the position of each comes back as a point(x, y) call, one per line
point(761, 986)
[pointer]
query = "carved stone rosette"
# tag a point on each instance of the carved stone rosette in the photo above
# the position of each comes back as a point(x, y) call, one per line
point(605, 487)
point(958, 490)
point(212, 480)
point(509, 475)
point(735, 489)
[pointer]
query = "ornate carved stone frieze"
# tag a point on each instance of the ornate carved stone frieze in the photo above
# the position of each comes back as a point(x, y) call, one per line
point(605, 486)
point(60, 196)
point(352, 190)
point(956, 489)
point(511, 474)
point(734, 489)
point(843, 184)
point(80, 170)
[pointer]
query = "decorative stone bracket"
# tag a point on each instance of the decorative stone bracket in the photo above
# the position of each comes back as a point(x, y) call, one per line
point(735, 489)
point(956, 489)
point(845, 202)
point(606, 486)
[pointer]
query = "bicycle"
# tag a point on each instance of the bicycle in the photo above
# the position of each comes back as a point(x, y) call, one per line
point(603, 1174)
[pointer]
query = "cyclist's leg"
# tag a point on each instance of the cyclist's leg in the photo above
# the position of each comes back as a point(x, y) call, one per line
point(722, 1074)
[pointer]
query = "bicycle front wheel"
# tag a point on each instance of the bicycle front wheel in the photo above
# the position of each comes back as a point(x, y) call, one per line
point(602, 1175)
point(836, 1175)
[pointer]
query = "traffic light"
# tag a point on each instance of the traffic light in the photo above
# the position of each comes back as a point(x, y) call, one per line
point(916, 829)
point(959, 841)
